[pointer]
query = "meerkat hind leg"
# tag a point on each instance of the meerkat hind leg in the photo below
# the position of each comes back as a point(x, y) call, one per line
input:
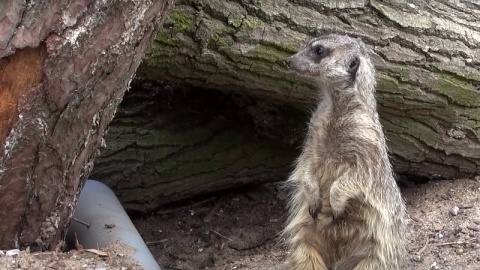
point(306, 257)
point(352, 262)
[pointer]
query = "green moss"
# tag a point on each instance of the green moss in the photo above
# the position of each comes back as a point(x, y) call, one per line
point(222, 41)
point(421, 128)
point(457, 91)
point(404, 145)
point(163, 37)
point(387, 84)
point(264, 52)
point(288, 48)
point(400, 72)
point(235, 20)
point(252, 22)
point(182, 21)
point(472, 114)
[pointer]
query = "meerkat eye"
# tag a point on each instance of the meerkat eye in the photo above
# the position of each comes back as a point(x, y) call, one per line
point(319, 50)
point(353, 66)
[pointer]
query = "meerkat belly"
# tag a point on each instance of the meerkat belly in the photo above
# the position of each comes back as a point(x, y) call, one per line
point(339, 238)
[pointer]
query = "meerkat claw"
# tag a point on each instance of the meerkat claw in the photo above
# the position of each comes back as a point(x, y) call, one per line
point(314, 210)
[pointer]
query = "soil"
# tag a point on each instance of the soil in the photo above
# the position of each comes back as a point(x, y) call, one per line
point(240, 230)
point(114, 257)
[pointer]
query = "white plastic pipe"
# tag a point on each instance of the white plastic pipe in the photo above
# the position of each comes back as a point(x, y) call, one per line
point(98, 206)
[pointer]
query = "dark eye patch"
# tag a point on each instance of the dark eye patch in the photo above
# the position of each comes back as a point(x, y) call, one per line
point(319, 52)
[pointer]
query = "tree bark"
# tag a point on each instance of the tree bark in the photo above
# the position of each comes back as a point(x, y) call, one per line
point(166, 144)
point(428, 94)
point(64, 66)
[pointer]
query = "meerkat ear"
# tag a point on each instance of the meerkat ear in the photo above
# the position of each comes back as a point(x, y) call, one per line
point(377, 60)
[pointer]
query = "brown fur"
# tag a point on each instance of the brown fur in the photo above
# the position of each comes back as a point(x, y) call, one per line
point(346, 211)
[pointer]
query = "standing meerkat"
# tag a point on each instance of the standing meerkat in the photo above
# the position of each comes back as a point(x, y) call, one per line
point(346, 211)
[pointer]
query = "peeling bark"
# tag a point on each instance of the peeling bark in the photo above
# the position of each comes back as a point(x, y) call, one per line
point(428, 94)
point(64, 66)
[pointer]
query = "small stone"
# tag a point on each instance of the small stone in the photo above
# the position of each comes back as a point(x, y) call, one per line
point(454, 210)
point(437, 227)
point(459, 251)
point(417, 258)
point(53, 265)
point(456, 231)
point(434, 266)
point(476, 229)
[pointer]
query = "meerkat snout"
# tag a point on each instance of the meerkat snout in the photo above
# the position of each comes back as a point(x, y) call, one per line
point(287, 61)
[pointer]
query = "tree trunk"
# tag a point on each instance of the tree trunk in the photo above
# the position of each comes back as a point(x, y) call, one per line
point(168, 144)
point(428, 95)
point(64, 66)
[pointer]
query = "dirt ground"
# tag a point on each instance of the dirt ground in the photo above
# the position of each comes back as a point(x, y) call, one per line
point(239, 230)
point(114, 257)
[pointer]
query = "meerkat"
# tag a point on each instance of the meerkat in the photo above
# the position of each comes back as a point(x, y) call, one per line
point(346, 210)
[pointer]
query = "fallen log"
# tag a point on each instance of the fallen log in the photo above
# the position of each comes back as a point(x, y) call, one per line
point(428, 93)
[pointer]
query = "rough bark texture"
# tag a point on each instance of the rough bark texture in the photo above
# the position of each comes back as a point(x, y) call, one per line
point(64, 66)
point(428, 93)
point(166, 144)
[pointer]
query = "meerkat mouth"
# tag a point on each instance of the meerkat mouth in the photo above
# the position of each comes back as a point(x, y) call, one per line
point(298, 67)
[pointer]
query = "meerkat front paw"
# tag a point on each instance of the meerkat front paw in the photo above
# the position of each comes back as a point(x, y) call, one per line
point(314, 209)
point(338, 208)
point(340, 194)
point(311, 197)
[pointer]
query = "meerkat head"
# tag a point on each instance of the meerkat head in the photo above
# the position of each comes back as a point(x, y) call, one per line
point(334, 60)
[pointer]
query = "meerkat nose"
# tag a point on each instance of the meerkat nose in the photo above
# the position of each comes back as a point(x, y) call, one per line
point(287, 61)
